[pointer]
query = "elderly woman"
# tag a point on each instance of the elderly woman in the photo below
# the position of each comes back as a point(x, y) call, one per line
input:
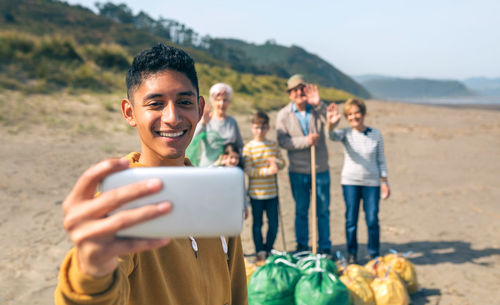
point(364, 175)
point(219, 128)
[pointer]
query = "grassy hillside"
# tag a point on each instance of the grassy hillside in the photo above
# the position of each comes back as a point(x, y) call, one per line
point(285, 61)
point(51, 47)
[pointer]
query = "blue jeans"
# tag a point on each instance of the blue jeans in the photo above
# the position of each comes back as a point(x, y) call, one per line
point(371, 197)
point(258, 208)
point(301, 191)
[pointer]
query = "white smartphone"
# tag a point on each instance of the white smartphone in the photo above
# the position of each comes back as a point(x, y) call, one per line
point(207, 202)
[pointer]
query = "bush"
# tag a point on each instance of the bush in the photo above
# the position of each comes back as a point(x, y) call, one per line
point(58, 48)
point(13, 43)
point(108, 56)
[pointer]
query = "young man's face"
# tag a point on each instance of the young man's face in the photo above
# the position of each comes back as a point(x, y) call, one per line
point(165, 111)
point(259, 131)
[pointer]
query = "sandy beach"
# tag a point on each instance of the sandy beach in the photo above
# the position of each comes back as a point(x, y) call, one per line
point(444, 171)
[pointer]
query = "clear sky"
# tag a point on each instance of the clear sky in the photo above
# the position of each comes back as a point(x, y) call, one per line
point(441, 39)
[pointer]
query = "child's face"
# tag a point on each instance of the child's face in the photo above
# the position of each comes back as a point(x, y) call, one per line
point(259, 131)
point(231, 159)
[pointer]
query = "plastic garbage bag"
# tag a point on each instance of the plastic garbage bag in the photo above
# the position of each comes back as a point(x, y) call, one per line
point(321, 288)
point(389, 290)
point(283, 255)
point(360, 290)
point(249, 269)
point(405, 269)
point(205, 148)
point(397, 264)
point(273, 284)
point(315, 261)
point(354, 271)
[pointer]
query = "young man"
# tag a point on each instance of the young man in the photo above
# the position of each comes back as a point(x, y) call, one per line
point(164, 105)
point(299, 125)
point(262, 161)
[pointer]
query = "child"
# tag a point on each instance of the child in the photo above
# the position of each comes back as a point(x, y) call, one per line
point(231, 157)
point(262, 161)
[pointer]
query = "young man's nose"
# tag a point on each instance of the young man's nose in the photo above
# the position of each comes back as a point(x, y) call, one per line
point(170, 114)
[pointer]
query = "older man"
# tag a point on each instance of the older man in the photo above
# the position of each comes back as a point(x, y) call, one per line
point(300, 124)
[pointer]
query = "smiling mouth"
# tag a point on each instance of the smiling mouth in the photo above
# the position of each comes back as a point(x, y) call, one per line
point(171, 134)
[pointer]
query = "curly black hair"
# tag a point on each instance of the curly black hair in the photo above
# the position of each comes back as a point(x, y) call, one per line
point(156, 59)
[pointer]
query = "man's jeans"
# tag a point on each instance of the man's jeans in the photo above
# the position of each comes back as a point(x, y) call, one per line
point(301, 191)
point(371, 197)
point(258, 208)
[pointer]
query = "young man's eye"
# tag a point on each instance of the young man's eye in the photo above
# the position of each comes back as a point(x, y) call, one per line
point(186, 102)
point(154, 104)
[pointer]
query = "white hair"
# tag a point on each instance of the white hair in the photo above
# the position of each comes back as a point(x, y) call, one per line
point(221, 89)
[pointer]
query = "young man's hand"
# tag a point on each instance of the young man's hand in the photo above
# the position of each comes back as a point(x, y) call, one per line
point(312, 94)
point(332, 116)
point(90, 228)
point(312, 138)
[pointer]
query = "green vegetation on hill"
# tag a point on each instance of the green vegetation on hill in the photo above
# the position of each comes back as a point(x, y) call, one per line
point(271, 58)
point(49, 46)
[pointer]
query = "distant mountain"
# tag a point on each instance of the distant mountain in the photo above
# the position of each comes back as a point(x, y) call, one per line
point(392, 87)
point(271, 58)
point(484, 86)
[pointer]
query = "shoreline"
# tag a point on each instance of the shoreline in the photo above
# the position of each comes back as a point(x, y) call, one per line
point(495, 107)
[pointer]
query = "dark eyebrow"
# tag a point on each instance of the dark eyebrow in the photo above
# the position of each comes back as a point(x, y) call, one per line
point(188, 93)
point(156, 95)
point(152, 96)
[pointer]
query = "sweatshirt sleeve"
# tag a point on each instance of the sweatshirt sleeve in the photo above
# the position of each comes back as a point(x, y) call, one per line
point(285, 140)
point(337, 134)
point(279, 158)
point(74, 287)
point(381, 157)
point(239, 295)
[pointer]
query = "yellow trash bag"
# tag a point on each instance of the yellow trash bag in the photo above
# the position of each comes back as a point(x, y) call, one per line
point(405, 269)
point(249, 269)
point(354, 271)
point(389, 290)
point(400, 265)
point(359, 288)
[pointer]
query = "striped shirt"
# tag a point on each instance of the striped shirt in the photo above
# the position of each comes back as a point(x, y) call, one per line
point(255, 154)
point(364, 157)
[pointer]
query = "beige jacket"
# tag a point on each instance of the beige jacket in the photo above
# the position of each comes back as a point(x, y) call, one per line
point(292, 138)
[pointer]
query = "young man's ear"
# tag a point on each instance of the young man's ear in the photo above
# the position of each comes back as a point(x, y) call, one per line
point(201, 106)
point(128, 112)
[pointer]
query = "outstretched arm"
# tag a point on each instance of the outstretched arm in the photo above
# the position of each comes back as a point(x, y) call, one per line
point(93, 232)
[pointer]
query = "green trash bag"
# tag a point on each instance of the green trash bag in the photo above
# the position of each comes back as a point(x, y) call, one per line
point(273, 284)
point(205, 148)
point(317, 261)
point(283, 255)
point(321, 288)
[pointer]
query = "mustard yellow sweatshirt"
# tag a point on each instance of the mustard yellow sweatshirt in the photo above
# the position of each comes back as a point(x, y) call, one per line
point(171, 275)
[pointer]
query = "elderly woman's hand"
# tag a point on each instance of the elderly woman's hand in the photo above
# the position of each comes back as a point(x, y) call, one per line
point(385, 190)
point(332, 116)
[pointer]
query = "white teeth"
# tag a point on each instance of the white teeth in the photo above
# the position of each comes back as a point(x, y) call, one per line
point(170, 134)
